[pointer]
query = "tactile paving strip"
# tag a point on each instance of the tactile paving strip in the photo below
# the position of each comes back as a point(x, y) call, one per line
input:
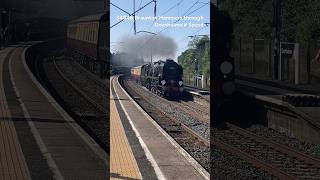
point(122, 162)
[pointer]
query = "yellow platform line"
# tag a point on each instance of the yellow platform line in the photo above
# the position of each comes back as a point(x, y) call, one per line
point(122, 162)
point(12, 162)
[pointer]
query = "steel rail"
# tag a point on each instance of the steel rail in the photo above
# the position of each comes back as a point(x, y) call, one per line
point(277, 146)
point(251, 159)
point(185, 127)
point(90, 100)
point(169, 117)
point(275, 170)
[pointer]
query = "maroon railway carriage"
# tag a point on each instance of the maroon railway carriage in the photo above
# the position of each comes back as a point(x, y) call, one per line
point(87, 39)
point(136, 73)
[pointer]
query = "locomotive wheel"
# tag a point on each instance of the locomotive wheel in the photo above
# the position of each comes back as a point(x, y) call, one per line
point(161, 93)
point(154, 90)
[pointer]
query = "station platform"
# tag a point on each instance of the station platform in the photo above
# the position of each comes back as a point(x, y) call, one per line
point(156, 154)
point(122, 161)
point(274, 95)
point(307, 129)
point(204, 93)
point(38, 139)
point(301, 88)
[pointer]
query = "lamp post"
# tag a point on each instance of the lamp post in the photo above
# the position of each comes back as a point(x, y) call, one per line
point(196, 71)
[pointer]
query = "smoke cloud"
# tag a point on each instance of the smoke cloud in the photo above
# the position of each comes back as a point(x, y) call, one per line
point(157, 46)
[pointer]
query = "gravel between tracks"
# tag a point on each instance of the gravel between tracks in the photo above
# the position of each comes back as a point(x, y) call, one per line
point(283, 138)
point(85, 113)
point(227, 166)
point(223, 164)
point(94, 87)
point(197, 125)
point(193, 146)
point(227, 163)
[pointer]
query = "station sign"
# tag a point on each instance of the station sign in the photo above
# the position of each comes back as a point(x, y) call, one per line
point(287, 50)
point(199, 76)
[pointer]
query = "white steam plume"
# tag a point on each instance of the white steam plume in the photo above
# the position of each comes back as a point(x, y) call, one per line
point(143, 46)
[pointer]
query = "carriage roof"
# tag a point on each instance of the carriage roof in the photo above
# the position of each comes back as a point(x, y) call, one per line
point(89, 18)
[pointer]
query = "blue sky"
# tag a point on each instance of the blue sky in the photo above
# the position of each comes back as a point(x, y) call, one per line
point(171, 8)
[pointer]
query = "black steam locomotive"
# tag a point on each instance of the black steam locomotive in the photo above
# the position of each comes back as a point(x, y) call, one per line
point(161, 77)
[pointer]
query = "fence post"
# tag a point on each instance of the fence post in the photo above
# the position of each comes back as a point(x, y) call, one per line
point(202, 81)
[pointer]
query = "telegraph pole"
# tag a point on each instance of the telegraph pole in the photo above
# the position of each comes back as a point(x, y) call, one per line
point(155, 8)
point(130, 14)
point(134, 17)
point(196, 72)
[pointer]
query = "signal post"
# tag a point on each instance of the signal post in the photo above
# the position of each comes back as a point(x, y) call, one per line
point(222, 66)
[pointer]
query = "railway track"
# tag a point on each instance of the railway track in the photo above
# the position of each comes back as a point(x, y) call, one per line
point(196, 145)
point(199, 104)
point(191, 117)
point(82, 106)
point(277, 159)
point(77, 89)
point(100, 85)
point(195, 109)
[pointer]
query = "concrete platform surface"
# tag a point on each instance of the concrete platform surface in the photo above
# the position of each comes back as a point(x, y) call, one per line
point(166, 157)
point(123, 164)
point(38, 138)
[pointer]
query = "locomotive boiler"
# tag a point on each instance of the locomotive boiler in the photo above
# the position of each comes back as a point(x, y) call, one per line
point(161, 77)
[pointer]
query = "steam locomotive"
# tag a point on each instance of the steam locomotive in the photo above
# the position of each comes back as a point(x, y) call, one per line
point(161, 77)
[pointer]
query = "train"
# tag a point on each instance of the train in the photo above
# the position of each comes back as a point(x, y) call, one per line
point(161, 77)
point(87, 42)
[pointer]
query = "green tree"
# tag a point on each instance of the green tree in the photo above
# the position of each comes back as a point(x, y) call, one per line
point(198, 48)
point(254, 19)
